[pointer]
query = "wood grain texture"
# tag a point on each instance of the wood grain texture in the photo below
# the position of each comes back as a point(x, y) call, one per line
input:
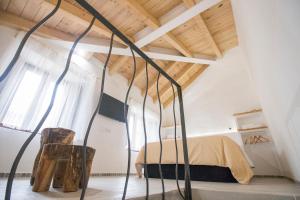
point(152, 82)
point(178, 78)
point(153, 23)
point(20, 23)
point(187, 83)
point(73, 176)
point(248, 112)
point(4, 4)
point(203, 28)
point(59, 173)
point(70, 176)
point(51, 135)
point(82, 17)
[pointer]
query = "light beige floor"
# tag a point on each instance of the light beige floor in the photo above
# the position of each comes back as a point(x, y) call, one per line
point(112, 187)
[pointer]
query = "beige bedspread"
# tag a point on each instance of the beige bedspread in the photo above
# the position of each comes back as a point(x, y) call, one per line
point(210, 150)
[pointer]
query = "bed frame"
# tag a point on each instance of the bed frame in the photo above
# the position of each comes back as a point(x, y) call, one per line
point(134, 49)
point(197, 172)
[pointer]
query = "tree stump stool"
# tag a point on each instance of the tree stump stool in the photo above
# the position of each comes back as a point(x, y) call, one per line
point(68, 177)
point(52, 135)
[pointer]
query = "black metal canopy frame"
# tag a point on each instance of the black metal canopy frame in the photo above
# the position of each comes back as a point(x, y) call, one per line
point(187, 195)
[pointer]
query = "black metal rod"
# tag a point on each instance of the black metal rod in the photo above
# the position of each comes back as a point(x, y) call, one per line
point(127, 128)
point(24, 40)
point(145, 135)
point(160, 142)
point(175, 139)
point(188, 190)
point(84, 175)
point(41, 122)
point(118, 33)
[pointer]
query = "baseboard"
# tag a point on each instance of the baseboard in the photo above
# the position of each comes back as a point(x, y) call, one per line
point(26, 175)
point(18, 175)
point(112, 174)
point(274, 176)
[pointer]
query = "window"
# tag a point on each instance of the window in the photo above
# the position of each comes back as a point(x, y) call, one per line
point(22, 100)
point(26, 95)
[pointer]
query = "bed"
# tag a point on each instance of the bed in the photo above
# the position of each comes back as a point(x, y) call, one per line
point(212, 158)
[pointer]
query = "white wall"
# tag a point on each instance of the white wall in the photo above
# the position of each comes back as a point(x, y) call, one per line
point(7, 37)
point(224, 88)
point(269, 31)
point(264, 158)
point(109, 136)
point(10, 143)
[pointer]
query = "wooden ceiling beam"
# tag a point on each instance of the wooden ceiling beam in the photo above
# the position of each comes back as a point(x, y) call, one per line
point(168, 26)
point(203, 26)
point(152, 82)
point(176, 21)
point(185, 85)
point(154, 24)
point(82, 17)
point(117, 64)
point(178, 78)
point(139, 71)
point(114, 67)
point(172, 40)
point(17, 22)
point(139, 74)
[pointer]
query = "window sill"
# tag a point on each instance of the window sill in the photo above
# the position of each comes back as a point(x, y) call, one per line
point(15, 129)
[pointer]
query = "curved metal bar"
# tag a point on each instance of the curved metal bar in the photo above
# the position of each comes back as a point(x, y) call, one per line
point(24, 40)
point(160, 142)
point(175, 139)
point(41, 122)
point(188, 188)
point(84, 175)
point(127, 129)
point(145, 135)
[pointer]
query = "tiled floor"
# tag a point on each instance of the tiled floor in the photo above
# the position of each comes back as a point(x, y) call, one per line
point(112, 187)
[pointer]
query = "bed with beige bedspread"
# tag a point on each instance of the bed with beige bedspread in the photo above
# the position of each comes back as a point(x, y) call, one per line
point(209, 150)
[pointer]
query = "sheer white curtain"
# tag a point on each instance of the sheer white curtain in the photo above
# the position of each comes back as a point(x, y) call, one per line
point(26, 93)
point(135, 122)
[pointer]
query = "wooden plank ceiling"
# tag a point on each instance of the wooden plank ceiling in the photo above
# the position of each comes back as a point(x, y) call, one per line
point(208, 34)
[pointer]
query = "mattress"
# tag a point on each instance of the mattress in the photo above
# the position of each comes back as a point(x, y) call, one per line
point(209, 150)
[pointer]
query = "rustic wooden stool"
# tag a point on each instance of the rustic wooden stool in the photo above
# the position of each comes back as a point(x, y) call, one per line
point(52, 135)
point(68, 177)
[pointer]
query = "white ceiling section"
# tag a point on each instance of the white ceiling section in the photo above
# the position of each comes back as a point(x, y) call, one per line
point(177, 21)
point(268, 33)
point(103, 48)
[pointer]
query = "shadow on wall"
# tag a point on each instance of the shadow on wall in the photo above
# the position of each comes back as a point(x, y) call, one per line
point(293, 122)
point(269, 39)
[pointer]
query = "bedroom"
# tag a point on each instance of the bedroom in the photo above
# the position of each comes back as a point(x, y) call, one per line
point(239, 77)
